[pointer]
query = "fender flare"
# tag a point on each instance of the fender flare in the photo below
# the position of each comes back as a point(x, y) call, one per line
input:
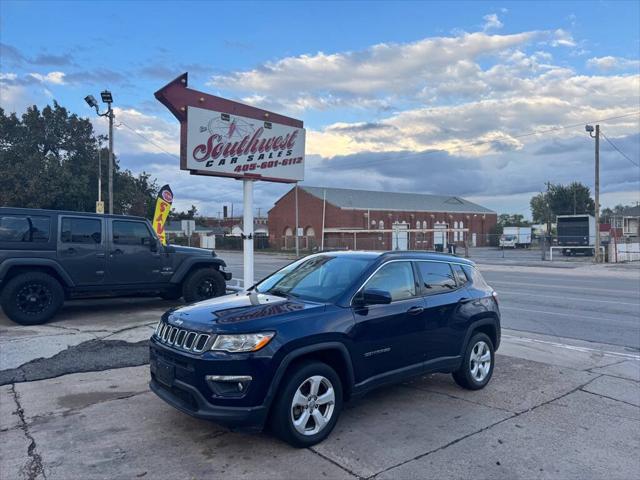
point(493, 321)
point(299, 352)
point(36, 262)
point(185, 268)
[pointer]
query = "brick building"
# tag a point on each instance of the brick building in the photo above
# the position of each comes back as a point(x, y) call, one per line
point(361, 219)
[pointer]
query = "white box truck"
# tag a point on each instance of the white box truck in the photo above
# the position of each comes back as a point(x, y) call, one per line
point(515, 237)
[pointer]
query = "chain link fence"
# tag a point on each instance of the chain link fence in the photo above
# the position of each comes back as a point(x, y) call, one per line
point(474, 246)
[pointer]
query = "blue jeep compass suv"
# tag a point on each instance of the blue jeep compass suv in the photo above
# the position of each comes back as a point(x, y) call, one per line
point(324, 329)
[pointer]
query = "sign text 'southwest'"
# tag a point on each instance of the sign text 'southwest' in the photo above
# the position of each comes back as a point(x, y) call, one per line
point(231, 145)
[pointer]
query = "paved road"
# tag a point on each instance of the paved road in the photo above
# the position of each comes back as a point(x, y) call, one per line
point(571, 304)
point(583, 302)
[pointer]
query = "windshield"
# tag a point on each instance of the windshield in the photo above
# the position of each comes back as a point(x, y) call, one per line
point(321, 278)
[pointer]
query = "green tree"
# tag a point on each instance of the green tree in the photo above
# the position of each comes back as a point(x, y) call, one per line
point(512, 220)
point(190, 214)
point(49, 159)
point(571, 199)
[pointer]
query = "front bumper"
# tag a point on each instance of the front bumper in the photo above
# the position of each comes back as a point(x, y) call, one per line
point(189, 400)
point(186, 388)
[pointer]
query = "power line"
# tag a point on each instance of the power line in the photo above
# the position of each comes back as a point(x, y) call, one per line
point(485, 142)
point(471, 144)
point(619, 151)
point(148, 140)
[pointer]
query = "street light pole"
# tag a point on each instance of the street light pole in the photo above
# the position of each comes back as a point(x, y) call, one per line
point(110, 112)
point(93, 103)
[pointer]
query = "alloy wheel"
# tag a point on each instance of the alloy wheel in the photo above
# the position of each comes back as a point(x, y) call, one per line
point(313, 405)
point(480, 361)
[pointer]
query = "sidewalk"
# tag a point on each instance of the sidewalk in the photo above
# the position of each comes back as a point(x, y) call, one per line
point(551, 411)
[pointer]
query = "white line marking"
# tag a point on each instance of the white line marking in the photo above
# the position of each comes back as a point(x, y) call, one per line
point(546, 285)
point(567, 298)
point(573, 347)
point(577, 314)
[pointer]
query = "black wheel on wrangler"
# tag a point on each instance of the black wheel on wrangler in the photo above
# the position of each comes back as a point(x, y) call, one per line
point(32, 298)
point(202, 284)
point(308, 405)
point(477, 366)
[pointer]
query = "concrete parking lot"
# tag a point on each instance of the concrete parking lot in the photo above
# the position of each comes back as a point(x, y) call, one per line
point(564, 401)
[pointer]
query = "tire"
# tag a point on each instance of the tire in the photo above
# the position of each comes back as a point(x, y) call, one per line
point(173, 294)
point(473, 374)
point(32, 298)
point(297, 384)
point(202, 284)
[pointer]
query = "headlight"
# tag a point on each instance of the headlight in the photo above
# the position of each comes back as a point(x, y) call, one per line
point(249, 342)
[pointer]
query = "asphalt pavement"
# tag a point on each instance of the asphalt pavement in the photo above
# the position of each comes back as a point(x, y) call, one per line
point(564, 401)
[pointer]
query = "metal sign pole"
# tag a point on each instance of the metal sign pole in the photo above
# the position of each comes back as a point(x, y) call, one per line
point(247, 228)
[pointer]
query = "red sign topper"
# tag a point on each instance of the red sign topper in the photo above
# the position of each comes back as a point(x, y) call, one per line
point(221, 137)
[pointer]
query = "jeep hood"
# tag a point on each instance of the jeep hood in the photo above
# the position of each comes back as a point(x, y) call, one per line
point(240, 312)
point(192, 250)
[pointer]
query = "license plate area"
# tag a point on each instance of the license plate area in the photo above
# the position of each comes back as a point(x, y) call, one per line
point(165, 373)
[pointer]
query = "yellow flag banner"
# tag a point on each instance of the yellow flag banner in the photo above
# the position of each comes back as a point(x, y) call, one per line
point(163, 207)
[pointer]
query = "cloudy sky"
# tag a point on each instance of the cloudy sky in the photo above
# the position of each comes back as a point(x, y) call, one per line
point(485, 100)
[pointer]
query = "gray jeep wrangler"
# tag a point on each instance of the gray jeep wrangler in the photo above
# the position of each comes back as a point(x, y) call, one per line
point(47, 256)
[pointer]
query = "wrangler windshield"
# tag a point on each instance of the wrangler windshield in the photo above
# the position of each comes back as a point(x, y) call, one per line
point(321, 278)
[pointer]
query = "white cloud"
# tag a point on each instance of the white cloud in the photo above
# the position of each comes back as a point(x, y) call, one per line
point(609, 63)
point(55, 78)
point(386, 67)
point(138, 133)
point(562, 38)
point(491, 22)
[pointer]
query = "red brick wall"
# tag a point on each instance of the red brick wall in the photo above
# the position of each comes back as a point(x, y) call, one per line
point(282, 215)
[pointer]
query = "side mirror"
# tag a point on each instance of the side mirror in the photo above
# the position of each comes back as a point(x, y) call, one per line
point(374, 296)
point(153, 245)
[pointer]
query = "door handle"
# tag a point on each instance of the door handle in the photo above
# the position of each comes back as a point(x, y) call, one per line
point(117, 251)
point(70, 250)
point(415, 310)
point(100, 255)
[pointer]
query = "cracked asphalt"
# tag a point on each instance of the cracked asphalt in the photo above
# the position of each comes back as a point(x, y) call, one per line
point(564, 401)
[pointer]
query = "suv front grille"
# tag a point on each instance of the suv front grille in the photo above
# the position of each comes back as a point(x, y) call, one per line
point(182, 338)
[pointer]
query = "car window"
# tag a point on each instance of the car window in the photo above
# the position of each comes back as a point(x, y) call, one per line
point(476, 278)
point(14, 228)
point(458, 271)
point(81, 230)
point(437, 277)
point(319, 278)
point(396, 278)
point(131, 233)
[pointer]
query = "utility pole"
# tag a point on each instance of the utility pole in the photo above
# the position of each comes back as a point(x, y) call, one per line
point(597, 193)
point(589, 130)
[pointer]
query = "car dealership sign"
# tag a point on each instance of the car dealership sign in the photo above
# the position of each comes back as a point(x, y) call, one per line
point(219, 142)
point(221, 137)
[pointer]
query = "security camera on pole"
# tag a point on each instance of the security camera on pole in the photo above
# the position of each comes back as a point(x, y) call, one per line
point(223, 138)
point(92, 102)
